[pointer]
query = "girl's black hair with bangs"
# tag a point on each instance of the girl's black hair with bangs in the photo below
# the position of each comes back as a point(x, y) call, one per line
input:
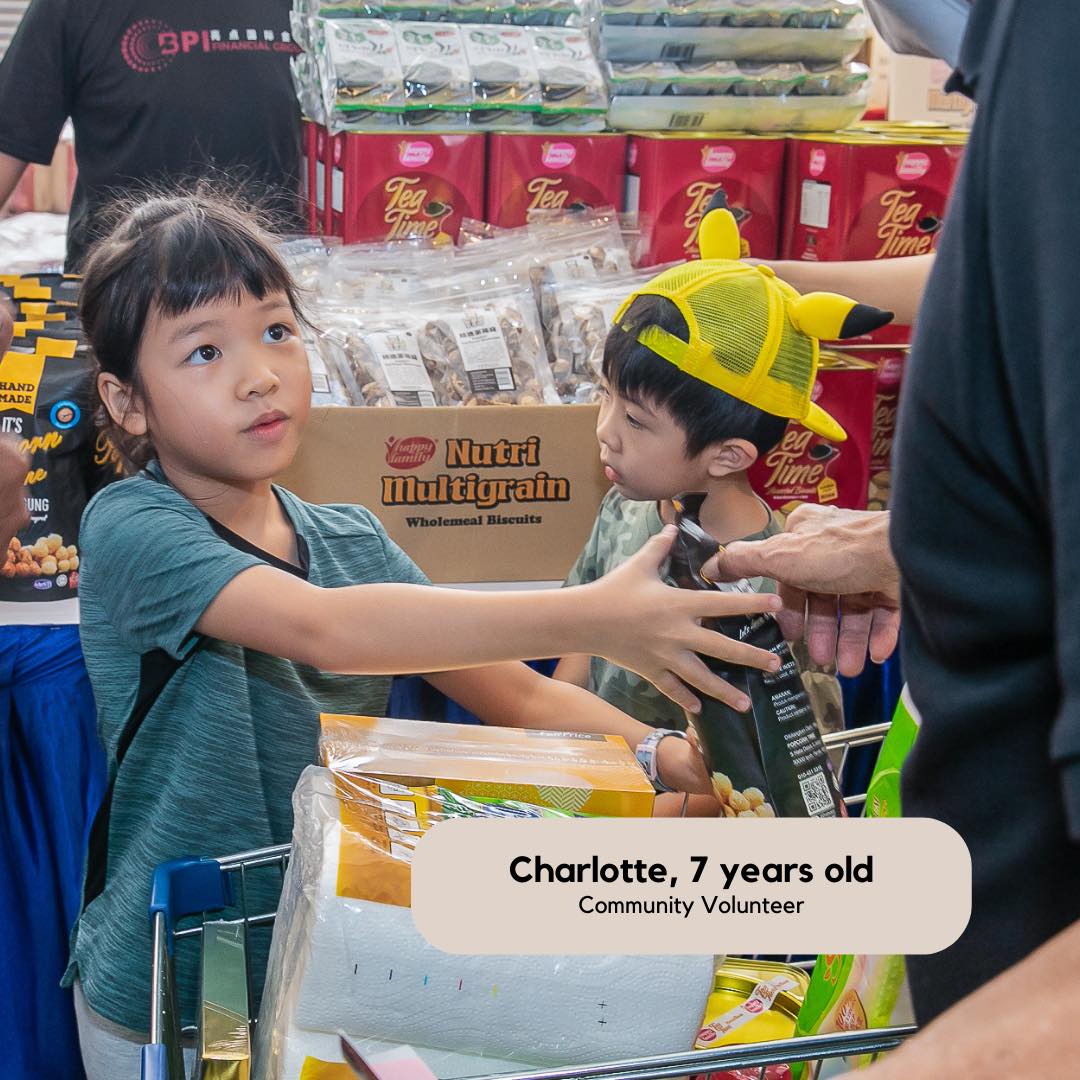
point(707, 415)
point(170, 254)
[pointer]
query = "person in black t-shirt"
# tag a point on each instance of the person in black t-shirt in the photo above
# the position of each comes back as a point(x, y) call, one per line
point(986, 533)
point(159, 92)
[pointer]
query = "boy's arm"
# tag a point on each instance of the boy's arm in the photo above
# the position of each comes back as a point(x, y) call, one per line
point(629, 617)
point(573, 669)
point(513, 695)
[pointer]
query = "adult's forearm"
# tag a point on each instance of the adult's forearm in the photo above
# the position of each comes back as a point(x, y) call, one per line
point(1023, 1023)
point(895, 285)
point(11, 171)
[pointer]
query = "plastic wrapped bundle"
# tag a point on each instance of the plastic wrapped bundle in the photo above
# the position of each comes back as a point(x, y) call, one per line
point(347, 956)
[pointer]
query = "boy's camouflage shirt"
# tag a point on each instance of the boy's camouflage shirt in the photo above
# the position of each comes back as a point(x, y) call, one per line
point(621, 529)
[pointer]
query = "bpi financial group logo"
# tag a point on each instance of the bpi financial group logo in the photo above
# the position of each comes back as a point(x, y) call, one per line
point(150, 46)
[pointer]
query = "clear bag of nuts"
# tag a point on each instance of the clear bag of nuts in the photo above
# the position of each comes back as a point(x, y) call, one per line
point(487, 348)
point(437, 347)
point(367, 275)
point(577, 317)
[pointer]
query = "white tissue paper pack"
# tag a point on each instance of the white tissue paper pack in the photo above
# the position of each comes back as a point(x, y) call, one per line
point(341, 963)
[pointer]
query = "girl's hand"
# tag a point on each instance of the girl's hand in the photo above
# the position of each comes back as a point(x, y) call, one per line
point(655, 630)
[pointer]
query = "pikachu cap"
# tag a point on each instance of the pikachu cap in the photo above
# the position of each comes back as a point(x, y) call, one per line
point(751, 334)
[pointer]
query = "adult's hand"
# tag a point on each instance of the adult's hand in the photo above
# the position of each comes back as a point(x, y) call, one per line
point(838, 581)
point(13, 464)
point(13, 513)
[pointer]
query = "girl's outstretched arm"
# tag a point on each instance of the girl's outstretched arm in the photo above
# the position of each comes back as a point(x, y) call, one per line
point(629, 617)
point(513, 695)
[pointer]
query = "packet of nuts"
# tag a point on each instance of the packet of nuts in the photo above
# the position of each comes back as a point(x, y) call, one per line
point(381, 363)
point(367, 275)
point(487, 348)
point(769, 761)
point(577, 319)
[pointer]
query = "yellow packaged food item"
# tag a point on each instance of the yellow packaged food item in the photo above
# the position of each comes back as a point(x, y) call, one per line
point(752, 1001)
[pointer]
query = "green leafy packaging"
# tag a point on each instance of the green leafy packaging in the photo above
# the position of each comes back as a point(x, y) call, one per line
point(856, 993)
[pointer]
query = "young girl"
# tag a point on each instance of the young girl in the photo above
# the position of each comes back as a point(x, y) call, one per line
point(221, 614)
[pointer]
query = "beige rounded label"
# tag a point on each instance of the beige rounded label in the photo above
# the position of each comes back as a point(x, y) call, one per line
point(654, 886)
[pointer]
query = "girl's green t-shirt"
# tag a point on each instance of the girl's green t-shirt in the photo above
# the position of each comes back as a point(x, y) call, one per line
point(212, 768)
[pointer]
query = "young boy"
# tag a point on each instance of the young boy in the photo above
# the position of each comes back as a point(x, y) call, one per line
point(664, 431)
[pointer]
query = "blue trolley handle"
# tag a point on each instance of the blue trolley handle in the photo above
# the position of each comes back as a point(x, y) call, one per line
point(179, 888)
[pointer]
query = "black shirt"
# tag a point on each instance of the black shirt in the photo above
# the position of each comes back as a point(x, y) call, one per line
point(159, 92)
point(986, 514)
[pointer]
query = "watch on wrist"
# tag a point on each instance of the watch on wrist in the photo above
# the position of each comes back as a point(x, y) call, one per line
point(646, 754)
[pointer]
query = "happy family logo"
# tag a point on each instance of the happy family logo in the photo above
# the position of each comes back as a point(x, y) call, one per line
point(150, 45)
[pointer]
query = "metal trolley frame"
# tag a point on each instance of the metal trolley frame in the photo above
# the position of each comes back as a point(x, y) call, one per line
point(184, 891)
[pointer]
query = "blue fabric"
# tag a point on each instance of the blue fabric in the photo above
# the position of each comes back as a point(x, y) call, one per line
point(869, 698)
point(52, 776)
point(413, 699)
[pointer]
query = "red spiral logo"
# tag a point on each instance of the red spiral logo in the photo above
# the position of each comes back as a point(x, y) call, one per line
point(141, 46)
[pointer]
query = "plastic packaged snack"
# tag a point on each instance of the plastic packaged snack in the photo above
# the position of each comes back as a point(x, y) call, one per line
point(737, 112)
point(834, 79)
point(46, 400)
point(434, 66)
point(577, 320)
point(487, 349)
point(307, 258)
point(361, 71)
point(547, 13)
point(769, 762)
point(385, 358)
point(767, 79)
point(368, 275)
point(326, 385)
point(504, 71)
point(346, 955)
point(661, 78)
point(578, 245)
point(470, 12)
point(510, 258)
point(570, 78)
point(625, 42)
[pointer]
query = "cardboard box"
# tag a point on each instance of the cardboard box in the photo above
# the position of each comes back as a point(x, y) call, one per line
point(504, 493)
point(673, 177)
point(917, 92)
point(867, 194)
point(394, 185)
point(804, 467)
point(553, 172)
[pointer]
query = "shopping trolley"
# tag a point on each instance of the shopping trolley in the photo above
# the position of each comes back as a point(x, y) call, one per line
point(185, 891)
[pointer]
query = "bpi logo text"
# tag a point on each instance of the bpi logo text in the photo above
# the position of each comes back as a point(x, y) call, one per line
point(150, 45)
